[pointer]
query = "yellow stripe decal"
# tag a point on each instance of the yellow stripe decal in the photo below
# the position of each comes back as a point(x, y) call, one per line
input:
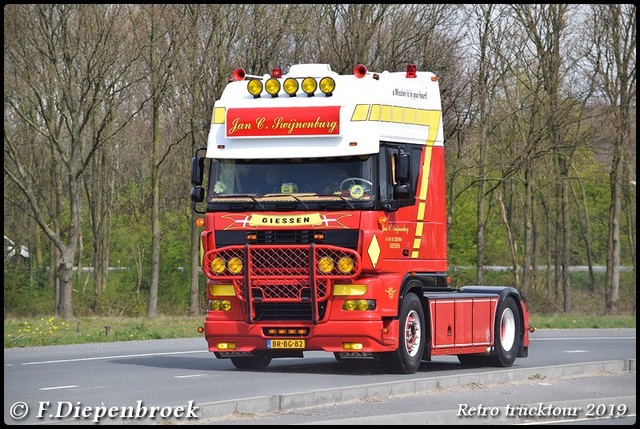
point(409, 115)
point(360, 112)
point(421, 207)
point(385, 113)
point(219, 114)
point(431, 118)
point(426, 170)
point(374, 115)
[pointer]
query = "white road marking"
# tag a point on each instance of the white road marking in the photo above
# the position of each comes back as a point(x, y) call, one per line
point(113, 357)
point(190, 376)
point(59, 387)
point(580, 338)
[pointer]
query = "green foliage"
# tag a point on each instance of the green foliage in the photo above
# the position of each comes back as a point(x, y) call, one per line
point(51, 331)
point(573, 320)
point(26, 292)
point(36, 332)
point(461, 235)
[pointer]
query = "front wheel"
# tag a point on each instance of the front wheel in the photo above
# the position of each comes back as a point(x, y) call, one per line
point(406, 359)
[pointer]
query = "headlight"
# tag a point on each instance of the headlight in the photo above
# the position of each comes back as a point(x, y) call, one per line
point(309, 86)
point(235, 265)
point(291, 86)
point(254, 87)
point(345, 265)
point(273, 87)
point(218, 265)
point(325, 265)
point(327, 85)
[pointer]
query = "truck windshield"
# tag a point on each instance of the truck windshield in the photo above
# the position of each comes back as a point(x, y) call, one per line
point(348, 179)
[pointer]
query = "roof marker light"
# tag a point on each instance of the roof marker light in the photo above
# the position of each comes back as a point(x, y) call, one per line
point(360, 71)
point(411, 71)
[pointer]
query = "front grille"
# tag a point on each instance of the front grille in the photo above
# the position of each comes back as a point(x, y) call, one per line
point(279, 282)
point(284, 237)
point(286, 311)
point(336, 237)
point(274, 290)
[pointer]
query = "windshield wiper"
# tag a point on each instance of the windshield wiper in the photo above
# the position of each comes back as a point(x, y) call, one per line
point(346, 201)
point(289, 195)
point(251, 197)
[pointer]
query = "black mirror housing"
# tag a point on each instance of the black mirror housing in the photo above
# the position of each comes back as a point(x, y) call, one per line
point(197, 171)
point(197, 194)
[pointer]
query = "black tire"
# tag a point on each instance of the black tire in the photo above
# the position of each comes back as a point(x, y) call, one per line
point(259, 360)
point(406, 359)
point(507, 333)
point(506, 341)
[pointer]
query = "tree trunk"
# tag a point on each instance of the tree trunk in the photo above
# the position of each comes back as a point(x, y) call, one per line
point(529, 249)
point(155, 216)
point(585, 233)
point(513, 246)
point(613, 250)
point(65, 277)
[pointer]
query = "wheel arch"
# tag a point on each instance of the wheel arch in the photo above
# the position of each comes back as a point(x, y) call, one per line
point(415, 285)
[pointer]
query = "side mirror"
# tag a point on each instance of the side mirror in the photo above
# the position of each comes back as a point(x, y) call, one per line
point(390, 206)
point(403, 161)
point(197, 194)
point(197, 171)
point(402, 191)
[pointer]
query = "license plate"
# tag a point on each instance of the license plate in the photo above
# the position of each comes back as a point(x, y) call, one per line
point(285, 344)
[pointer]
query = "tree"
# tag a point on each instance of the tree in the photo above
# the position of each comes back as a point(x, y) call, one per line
point(202, 69)
point(613, 61)
point(545, 26)
point(159, 38)
point(64, 88)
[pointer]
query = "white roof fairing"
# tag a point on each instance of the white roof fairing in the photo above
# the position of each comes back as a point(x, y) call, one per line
point(391, 108)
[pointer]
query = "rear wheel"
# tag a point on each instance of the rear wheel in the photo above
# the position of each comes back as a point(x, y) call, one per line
point(406, 359)
point(259, 360)
point(507, 333)
point(506, 338)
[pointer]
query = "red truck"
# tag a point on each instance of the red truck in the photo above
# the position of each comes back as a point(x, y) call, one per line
point(324, 218)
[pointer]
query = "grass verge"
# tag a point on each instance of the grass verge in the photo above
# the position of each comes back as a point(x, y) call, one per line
point(46, 331)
